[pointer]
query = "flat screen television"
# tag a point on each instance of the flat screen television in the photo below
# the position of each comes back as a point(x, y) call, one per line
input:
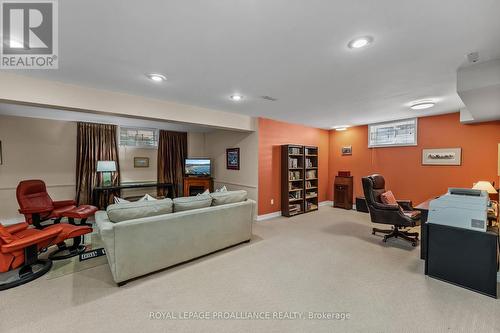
point(198, 167)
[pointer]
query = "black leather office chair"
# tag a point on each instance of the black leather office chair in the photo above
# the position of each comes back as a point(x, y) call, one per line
point(400, 214)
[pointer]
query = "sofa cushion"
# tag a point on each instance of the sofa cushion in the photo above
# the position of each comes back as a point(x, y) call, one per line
point(135, 210)
point(195, 202)
point(222, 198)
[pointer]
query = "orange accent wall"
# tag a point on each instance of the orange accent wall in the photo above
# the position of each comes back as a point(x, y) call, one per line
point(402, 166)
point(273, 134)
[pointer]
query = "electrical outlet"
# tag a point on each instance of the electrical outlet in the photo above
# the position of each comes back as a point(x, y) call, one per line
point(272, 201)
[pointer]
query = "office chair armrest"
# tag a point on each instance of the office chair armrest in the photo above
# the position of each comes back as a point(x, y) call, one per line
point(35, 210)
point(63, 203)
point(34, 239)
point(405, 204)
point(386, 207)
point(16, 227)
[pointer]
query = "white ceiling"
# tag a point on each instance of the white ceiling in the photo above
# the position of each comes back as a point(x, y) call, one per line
point(292, 50)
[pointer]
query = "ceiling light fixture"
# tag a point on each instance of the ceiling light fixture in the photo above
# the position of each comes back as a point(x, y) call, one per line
point(340, 128)
point(236, 98)
point(360, 42)
point(156, 77)
point(422, 105)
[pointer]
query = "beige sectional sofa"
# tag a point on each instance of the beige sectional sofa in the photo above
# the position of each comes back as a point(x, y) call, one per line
point(143, 237)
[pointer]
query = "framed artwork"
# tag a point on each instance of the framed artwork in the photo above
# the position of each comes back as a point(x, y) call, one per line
point(442, 156)
point(141, 162)
point(233, 158)
point(347, 150)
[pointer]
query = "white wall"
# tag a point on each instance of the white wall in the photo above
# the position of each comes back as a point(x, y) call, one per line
point(246, 178)
point(36, 149)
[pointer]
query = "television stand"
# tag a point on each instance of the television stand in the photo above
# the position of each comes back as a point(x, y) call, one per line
point(195, 185)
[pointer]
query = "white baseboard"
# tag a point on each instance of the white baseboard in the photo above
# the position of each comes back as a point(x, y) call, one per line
point(268, 216)
point(326, 203)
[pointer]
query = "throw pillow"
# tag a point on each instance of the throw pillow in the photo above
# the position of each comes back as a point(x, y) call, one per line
point(147, 197)
point(119, 200)
point(388, 198)
point(222, 189)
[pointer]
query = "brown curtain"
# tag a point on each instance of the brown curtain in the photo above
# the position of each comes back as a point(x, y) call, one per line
point(172, 152)
point(95, 142)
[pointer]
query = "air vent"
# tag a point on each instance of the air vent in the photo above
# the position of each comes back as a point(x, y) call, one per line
point(269, 98)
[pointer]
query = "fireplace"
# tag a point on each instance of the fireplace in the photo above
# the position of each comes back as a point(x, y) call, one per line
point(196, 185)
point(196, 189)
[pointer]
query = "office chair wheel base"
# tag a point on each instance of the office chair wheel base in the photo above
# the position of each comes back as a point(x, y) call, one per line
point(67, 252)
point(28, 273)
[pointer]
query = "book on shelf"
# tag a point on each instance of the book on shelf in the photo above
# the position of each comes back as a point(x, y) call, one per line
point(312, 194)
point(293, 163)
point(294, 208)
point(294, 151)
point(311, 151)
point(310, 163)
point(294, 195)
point(311, 174)
point(294, 175)
point(310, 205)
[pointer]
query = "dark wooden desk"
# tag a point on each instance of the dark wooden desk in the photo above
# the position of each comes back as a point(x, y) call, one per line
point(463, 257)
point(106, 190)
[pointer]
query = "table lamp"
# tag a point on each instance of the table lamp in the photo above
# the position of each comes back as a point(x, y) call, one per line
point(485, 186)
point(106, 167)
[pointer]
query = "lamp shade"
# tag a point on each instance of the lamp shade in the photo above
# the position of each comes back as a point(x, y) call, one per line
point(484, 186)
point(106, 166)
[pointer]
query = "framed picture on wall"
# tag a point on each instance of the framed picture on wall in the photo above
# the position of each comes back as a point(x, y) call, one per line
point(347, 150)
point(233, 158)
point(442, 156)
point(141, 162)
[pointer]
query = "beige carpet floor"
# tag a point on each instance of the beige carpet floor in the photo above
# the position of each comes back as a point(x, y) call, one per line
point(326, 261)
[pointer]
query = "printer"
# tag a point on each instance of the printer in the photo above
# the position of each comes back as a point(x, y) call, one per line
point(462, 208)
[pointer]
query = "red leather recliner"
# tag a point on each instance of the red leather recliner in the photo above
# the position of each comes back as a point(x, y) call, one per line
point(37, 206)
point(19, 246)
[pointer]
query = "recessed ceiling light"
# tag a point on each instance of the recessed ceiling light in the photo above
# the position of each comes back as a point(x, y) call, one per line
point(236, 98)
point(422, 105)
point(360, 42)
point(156, 77)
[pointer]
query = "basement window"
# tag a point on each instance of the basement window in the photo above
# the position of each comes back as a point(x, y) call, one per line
point(138, 137)
point(393, 133)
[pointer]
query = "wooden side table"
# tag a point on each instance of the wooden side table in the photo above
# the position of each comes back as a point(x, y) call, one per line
point(342, 192)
